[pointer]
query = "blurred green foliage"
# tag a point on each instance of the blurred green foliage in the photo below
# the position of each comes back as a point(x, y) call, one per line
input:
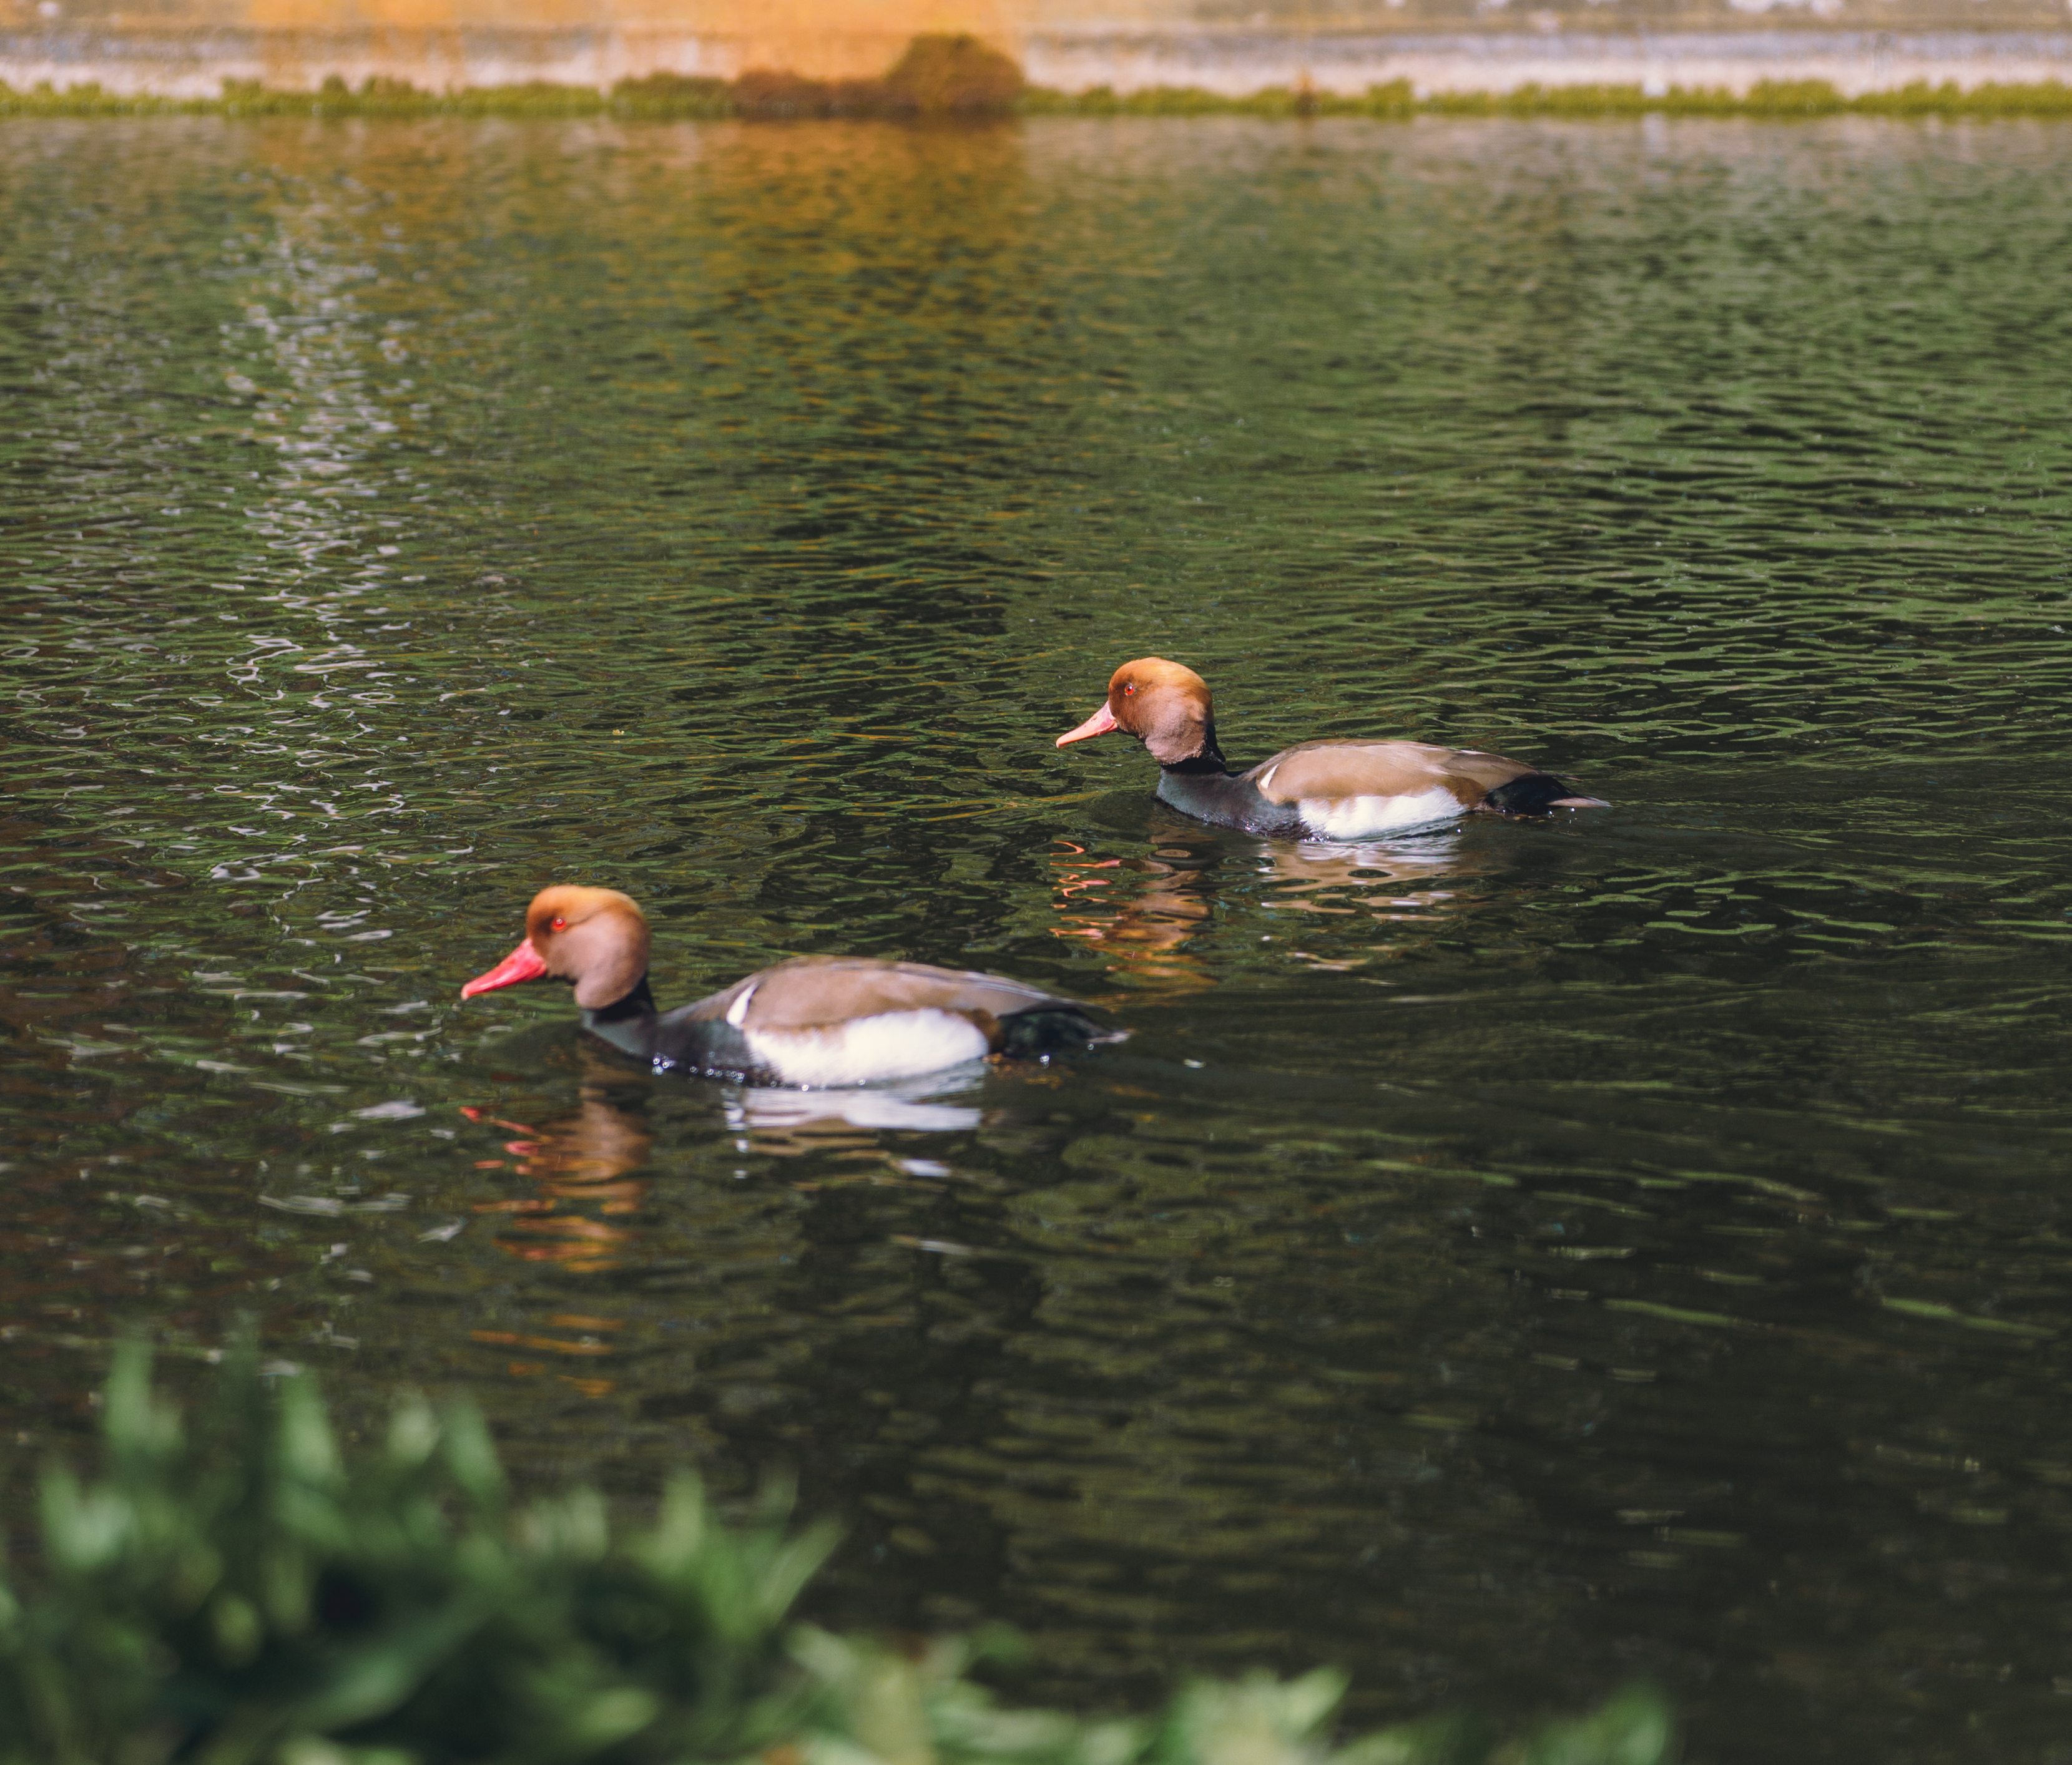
point(1766, 98)
point(958, 76)
point(243, 1595)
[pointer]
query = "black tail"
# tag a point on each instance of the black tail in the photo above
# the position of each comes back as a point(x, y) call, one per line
point(1536, 793)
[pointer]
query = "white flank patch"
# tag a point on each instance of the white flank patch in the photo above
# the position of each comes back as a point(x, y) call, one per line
point(893, 1045)
point(1265, 779)
point(737, 1013)
point(1361, 818)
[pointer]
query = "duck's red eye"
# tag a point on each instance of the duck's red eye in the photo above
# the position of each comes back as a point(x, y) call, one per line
point(1127, 691)
point(558, 924)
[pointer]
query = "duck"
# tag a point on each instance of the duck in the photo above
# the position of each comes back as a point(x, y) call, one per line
point(812, 1022)
point(1328, 790)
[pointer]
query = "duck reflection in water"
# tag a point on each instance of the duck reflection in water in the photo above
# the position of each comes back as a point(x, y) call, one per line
point(583, 1164)
point(1142, 928)
point(847, 1131)
point(1140, 911)
point(1390, 880)
point(585, 1159)
point(785, 1123)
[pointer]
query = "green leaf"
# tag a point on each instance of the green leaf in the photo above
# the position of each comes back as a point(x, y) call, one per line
point(134, 1424)
point(679, 1535)
point(413, 1433)
point(470, 1455)
point(308, 1452)
point(374, 1680)
point(1633, 1728)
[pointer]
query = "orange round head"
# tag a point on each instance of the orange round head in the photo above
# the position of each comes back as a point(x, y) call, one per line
point(1166, 706)
point(596, 938)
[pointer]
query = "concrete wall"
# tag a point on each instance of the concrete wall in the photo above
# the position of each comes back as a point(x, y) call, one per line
point(187, 47)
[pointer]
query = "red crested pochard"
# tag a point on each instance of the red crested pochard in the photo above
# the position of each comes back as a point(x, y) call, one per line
point(1315, 789)
point(816, 1020)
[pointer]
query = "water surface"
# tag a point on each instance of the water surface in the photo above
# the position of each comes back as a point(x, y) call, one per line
point(1505, 1260)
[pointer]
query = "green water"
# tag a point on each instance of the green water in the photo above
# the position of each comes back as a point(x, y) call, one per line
point(1505, 1260)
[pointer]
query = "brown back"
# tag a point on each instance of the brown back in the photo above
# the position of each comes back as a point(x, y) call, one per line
point(819, 992)
point(1380, 769)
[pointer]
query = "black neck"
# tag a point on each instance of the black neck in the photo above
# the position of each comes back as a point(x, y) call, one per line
point(1207, 758)
point(639, 1003)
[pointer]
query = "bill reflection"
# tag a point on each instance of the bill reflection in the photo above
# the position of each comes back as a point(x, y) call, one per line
point(1140, 911)
point(582, 1164)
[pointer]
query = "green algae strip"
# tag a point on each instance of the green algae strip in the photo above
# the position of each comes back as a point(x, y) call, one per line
point(1676, 1314)
point(1949, 1314)
point(675, 97)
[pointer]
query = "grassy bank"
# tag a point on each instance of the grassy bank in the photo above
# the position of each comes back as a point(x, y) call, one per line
point(958, 84)
point(244, 1593)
